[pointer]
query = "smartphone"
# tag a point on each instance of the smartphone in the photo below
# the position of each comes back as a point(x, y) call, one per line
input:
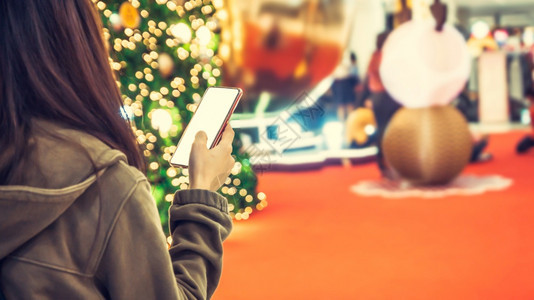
point(212, 115)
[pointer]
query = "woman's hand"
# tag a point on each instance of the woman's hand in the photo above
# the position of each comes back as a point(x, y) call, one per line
point(209, 168)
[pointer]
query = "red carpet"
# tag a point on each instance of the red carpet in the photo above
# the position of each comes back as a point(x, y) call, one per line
point(317, 240)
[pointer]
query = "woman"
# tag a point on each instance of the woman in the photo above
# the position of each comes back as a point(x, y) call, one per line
point(77, 220)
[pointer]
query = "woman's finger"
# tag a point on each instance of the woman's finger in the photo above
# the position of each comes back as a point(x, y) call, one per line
point(228, 135)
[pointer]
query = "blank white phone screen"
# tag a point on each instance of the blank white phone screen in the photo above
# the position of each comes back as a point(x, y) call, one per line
point(209, 117)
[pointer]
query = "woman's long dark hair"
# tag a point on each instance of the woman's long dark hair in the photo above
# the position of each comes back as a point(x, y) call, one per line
point(54, 66)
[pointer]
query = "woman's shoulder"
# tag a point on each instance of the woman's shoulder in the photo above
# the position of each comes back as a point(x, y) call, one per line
point(65, 156)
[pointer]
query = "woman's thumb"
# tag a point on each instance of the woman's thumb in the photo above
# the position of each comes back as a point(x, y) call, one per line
point(201, 138)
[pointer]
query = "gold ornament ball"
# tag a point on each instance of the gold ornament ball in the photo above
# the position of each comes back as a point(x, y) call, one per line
point(166, 65)
point(428, 146)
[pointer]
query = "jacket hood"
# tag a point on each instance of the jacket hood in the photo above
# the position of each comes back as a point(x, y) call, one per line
point(59, 168)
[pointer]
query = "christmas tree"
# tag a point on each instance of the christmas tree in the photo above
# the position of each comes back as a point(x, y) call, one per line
point(165, 55)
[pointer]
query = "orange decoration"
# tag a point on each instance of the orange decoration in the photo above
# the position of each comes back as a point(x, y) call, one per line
point(357, 121)
point(129, 15)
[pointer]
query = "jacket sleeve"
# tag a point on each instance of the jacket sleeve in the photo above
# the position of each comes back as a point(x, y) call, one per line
point(199, 222)
point(136, 263)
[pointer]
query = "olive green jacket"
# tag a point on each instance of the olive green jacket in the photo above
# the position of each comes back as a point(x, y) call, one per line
point(66, 233)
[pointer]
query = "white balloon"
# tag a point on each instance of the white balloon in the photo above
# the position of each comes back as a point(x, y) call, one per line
point(422, 67)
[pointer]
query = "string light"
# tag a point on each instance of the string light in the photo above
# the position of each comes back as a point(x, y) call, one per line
point(204, 35)
point(115, 19)
point(171, 5)
point(101, 5)
point(161, 120)
point(182, 32)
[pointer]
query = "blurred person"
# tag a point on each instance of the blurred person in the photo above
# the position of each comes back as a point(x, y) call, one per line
point(354, 72)
point(78, 220)
point(478, 153)
point(403, 15)
point(384, 107)
point(514, 42)
point(527, 142)
point(344, 87)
